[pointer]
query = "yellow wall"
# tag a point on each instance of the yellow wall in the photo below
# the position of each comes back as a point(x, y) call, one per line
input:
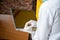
point(39, 2)
point(23, 17)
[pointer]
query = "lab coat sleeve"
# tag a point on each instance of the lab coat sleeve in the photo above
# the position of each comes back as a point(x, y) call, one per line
point(55, 32)
point(43, 23)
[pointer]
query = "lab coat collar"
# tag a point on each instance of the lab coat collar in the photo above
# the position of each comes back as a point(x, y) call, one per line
point(52, 0)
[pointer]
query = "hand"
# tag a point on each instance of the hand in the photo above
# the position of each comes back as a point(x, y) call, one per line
point(30, 25)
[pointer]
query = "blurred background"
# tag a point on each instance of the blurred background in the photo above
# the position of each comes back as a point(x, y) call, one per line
point(22, 10)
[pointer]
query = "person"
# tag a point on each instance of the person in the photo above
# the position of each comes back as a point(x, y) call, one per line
point(48, 24)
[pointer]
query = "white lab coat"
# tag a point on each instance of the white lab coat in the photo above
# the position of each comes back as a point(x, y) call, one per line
point(48, 24)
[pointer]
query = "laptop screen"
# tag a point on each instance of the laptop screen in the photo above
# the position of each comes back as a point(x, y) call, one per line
point(22, 16)
point(17, 18)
